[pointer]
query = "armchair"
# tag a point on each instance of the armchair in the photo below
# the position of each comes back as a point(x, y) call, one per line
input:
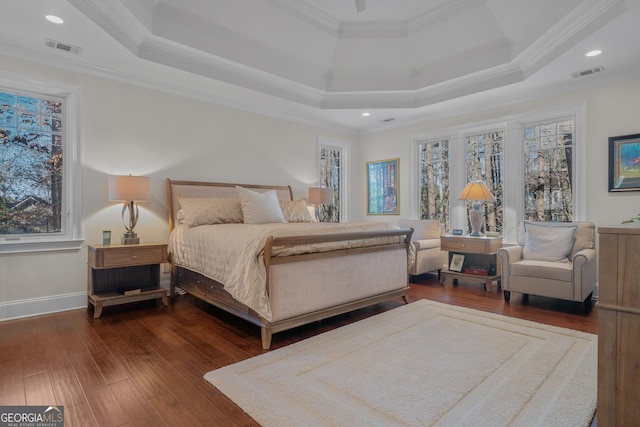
point(551, 259)
point(426, 242)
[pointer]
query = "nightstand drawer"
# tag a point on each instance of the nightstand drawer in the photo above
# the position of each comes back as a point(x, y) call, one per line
point(127, 257)
point(463, 244)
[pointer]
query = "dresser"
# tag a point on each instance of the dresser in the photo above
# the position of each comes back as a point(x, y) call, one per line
point(619, 325)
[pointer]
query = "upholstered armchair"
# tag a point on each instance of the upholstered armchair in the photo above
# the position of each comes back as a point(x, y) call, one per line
point(551, 259)
point(426, 242)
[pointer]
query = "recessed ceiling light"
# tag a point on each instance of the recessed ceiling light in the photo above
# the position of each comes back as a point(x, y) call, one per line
point(366, 114)
point(595, 52)
point(54, 19)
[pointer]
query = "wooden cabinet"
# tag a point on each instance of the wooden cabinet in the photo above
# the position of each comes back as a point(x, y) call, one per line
point(619, 325)
point(480, 258)
point(119, 274)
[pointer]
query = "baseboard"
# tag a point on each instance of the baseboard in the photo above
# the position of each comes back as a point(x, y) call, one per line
point(43, 305)
point(46, 305)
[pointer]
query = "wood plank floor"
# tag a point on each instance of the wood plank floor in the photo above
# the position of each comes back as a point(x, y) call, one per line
point(142, 364)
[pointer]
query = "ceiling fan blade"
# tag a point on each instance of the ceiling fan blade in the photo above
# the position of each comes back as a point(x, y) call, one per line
point(361, 5)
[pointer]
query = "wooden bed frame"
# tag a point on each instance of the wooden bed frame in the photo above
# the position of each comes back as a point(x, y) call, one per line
point(357, 260)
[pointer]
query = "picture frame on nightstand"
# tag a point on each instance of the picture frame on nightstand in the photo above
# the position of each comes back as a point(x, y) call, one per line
point(457, 260)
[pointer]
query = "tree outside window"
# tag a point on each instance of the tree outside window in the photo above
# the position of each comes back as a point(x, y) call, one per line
point(330, 176)
point(31, 165)
point(485, 162)
point(433, 158)
point(548, 185)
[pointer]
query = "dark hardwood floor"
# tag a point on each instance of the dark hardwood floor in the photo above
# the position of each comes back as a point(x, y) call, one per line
point(142, 364)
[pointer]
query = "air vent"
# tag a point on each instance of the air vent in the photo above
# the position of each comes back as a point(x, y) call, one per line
point(587, 72)
point(390, 119)
point(63, 46)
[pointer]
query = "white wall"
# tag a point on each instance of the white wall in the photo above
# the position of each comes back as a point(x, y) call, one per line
point(611, 111)
point(127, 129)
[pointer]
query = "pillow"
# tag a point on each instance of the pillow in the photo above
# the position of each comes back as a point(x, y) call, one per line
point(548, 242)
point(260, 208)
point(296, 211)
point(210, 210)
point(180, 216)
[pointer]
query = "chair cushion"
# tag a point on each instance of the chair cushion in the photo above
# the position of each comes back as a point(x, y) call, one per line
point(547, 242)
point(543, 270)
point(585, 237)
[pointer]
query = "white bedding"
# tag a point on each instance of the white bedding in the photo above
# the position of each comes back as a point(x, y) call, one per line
point(232, 253)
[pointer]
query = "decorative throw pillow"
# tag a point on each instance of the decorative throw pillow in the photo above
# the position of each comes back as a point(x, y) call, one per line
point(548, 242)
point(210, 210)
point(260, 208)
point(296, 211)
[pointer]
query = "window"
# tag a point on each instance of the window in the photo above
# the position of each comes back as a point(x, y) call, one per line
point(40, 207)
point(331, 163)
point(548, 176)
point(433, 158)
point(485, 162)
point(532, 163)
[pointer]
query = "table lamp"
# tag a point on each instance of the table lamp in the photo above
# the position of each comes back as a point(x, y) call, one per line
point(320, 196)
point(130, 190)
point(476, 192)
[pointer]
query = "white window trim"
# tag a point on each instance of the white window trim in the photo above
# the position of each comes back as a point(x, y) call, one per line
point(513, 208)
point(71, 236)
point(324, 142)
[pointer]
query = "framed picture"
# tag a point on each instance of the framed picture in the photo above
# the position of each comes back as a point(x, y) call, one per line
point(382, 187)
point(624, 163)
point(456, 262)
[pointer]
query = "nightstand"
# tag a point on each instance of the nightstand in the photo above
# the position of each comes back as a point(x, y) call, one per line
point(478, 255)
point(120, 274)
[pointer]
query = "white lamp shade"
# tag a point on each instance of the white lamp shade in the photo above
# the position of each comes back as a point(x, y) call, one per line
point(320, 196)
point(129, 188)
point(476, 191)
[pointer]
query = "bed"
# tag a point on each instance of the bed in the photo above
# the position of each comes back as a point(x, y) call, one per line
point(284, 274)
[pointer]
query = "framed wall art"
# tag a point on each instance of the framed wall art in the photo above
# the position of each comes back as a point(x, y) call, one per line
point(383, 196)
point(624, 163)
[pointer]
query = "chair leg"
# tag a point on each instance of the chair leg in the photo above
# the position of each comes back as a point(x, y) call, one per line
point(507, 295)
point(525, 298)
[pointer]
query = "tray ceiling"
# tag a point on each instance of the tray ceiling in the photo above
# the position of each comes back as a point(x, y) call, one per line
point(396, 56)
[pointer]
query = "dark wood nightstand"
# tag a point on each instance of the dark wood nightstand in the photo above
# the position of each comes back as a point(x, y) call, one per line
point(480, 258)
point(120, 274)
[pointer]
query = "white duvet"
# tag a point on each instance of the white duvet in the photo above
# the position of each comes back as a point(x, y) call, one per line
point(232, 253)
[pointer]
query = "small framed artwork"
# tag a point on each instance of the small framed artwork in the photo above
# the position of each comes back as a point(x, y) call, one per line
point(624, 163)
point(457, 260)
point(383, 197)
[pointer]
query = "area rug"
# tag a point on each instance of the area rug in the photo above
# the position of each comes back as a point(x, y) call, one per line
point(422, 364)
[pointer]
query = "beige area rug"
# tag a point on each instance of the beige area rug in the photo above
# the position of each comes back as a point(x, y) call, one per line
point(422, 364)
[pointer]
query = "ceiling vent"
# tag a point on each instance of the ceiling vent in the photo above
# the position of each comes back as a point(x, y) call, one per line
point(390, 119)
point(63, 46)
point(587, 72)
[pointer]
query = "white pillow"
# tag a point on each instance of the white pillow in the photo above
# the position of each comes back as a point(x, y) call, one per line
point(296, 211)
point(260, 208)
point(548, 243)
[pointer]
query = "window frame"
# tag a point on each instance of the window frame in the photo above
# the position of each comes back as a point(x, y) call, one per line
point(70, 237)
point(513, 194)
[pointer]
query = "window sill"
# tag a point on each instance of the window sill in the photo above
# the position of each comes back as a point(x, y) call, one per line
point(33, 245)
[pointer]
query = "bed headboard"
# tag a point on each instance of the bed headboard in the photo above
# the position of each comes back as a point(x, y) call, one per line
point(213, 189)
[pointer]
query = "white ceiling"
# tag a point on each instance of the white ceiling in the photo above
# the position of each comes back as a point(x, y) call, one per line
point(322, 62)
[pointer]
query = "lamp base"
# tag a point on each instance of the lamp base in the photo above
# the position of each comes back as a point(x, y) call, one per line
point(130, 238)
